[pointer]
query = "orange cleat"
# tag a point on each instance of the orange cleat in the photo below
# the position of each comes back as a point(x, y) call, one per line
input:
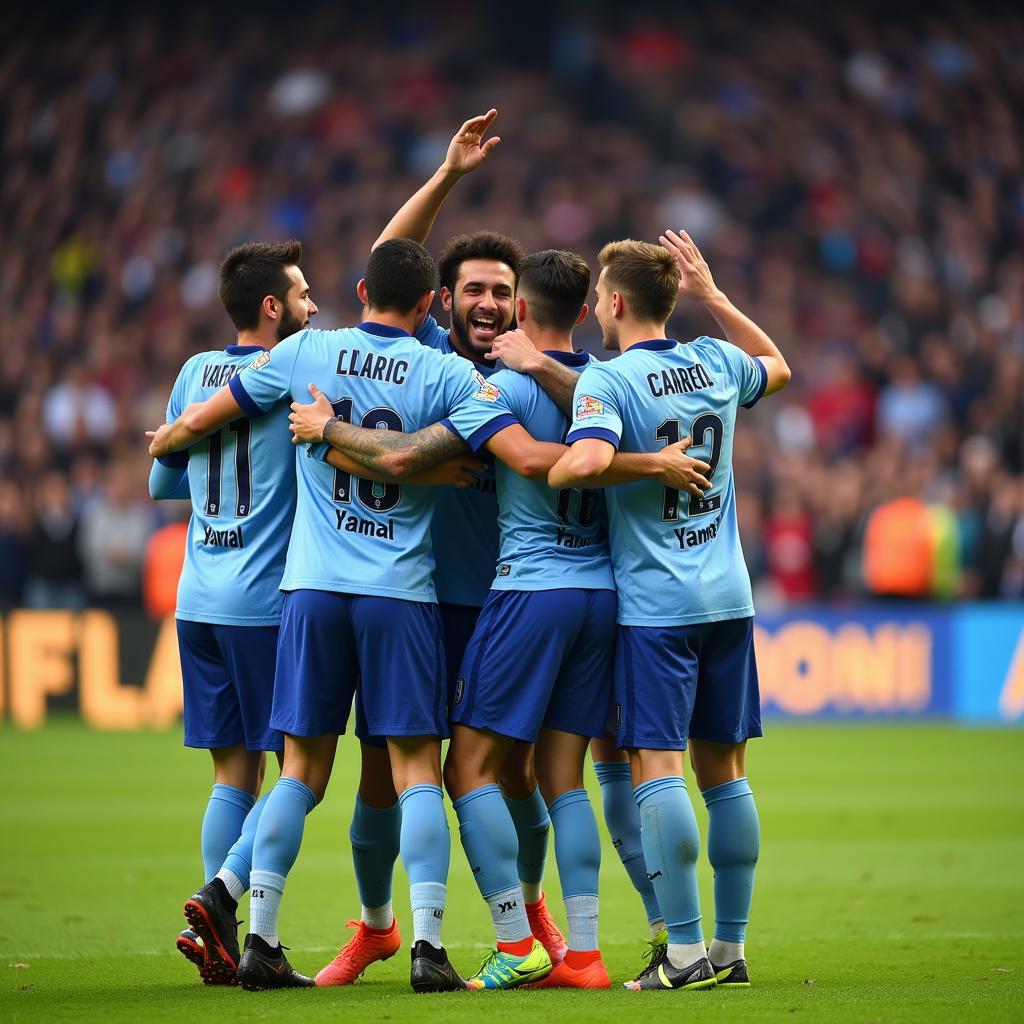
point(543, 926)
point(577, 970)
point(366, 947)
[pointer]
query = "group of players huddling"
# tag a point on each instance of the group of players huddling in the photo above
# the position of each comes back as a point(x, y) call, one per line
point(581, 584)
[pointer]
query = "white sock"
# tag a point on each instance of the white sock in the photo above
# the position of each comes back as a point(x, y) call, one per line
point(656, 926)
point(265, 891)
point(581, 913)
point(378, 917)
point(532, 891)
point(232, 883)
point(508, 912)
point(427, 900)
point(683, 954)
point(722, 953)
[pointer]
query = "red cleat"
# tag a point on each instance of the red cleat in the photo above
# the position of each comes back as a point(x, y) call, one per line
point(366, 947)
point(586, 970)
point(543, 926)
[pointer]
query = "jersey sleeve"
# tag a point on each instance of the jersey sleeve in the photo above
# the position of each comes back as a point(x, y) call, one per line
point(749, 372)
point(479, 408)
point(268, 378)
point(597, 408)
point(433, 335)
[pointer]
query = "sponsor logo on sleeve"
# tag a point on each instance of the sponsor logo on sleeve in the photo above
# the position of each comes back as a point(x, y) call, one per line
point(487, 392)
point(587, 406)
point(260, 361)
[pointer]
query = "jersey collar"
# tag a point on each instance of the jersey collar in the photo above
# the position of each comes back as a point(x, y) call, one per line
point(381, 330)
point(657, 345)
point(243, 350)
point(570, 358)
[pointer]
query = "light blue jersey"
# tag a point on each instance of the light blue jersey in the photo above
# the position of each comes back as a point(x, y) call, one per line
point(677, 559)
point(550, 540)
point(242, 485)
point(352, 535)
point(465, 525)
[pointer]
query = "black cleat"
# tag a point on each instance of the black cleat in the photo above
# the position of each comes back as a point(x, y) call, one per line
point(263, 967)
point(211, 914)
point(656, 952)
point(432, 970)
point(663, 975)
point(734, 975)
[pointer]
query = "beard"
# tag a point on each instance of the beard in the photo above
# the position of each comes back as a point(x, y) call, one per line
point(465, 346)
point(289, 324)
point(609, 338)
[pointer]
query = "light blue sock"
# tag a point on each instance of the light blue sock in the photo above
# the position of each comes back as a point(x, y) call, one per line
point(239, 858)
point(578, 853)
point(489, 839)
point(531, 821)
point(426, 847)
point(671, 842)
point(622, 816)
point(278, 838)
point(734, 841)
point(376, 835)
point(225, 814)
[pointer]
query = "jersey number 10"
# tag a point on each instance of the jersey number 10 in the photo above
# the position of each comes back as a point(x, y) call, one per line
point(374, 496)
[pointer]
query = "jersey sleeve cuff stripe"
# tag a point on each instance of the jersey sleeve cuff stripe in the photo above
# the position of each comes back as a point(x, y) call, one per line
point(242, 397)
point(601, 433)
point(760, 390)
point(483, 434)
point(176, 460)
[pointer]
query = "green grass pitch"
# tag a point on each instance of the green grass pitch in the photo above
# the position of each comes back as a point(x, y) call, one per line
point(891, 888)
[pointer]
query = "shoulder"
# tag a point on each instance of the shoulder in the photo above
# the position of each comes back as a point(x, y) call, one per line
point(433, 335)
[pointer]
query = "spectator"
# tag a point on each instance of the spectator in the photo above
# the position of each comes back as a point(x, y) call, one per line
point(54, 568)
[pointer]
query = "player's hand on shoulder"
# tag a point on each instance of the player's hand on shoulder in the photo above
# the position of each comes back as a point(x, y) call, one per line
point(158, 438)
point(307, 421)
point(468, 150)
point(514, 349)
point(696, 281)
point(681, 472)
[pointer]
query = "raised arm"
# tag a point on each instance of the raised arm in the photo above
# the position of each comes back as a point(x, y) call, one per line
point(466, 152)
point(196, 422)
point(739, 329)
point(517, 352)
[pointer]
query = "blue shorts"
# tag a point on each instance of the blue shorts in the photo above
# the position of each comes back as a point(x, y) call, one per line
point(331, 644)
point(539, 659)
point(673, 683)
point(227, 674)
point(458, 622)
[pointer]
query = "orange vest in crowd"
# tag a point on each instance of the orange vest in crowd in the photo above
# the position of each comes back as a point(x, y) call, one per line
point(165, 555)
point(899, 549)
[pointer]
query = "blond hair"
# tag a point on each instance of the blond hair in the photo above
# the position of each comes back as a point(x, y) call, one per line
point(645, 275)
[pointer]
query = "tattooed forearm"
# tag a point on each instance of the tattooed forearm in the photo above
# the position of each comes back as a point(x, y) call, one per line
point(392, 452)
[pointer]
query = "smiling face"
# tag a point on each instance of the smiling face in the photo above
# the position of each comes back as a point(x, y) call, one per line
point(482, 305)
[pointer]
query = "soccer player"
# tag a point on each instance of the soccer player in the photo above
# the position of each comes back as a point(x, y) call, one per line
point(553, 593)
point(685, 670)
point(360, 605)
point(478, 280)
point(242, 487)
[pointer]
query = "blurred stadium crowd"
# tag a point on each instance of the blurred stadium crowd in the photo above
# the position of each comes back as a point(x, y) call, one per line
point(856, 183)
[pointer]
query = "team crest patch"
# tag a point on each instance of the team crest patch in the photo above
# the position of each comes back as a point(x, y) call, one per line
point(260, 361)
point(504, 570)
point(488, 392)
point(587, 406)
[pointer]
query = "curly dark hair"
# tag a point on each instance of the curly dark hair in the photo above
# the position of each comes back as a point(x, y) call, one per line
point(480, 245)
